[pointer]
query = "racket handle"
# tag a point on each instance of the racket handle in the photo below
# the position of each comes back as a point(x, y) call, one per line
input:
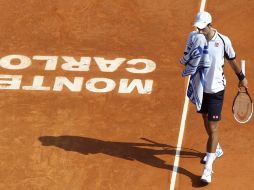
point(243, 66)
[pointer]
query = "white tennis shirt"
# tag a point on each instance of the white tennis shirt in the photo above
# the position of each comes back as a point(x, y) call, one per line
point(218, 47)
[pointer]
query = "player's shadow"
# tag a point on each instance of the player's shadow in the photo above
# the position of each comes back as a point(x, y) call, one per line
point(142, 152)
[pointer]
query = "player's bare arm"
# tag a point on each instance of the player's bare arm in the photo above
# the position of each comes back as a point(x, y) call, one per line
point(238, 72)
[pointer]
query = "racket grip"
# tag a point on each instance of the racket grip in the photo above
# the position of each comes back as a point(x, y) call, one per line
point(242, 63)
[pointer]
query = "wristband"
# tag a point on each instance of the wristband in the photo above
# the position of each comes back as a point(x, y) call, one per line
point(240, 76)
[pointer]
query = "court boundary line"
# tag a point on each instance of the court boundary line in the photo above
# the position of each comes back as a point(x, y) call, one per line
point(182, 126)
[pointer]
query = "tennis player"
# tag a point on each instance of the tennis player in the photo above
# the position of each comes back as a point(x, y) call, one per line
point(219, 47)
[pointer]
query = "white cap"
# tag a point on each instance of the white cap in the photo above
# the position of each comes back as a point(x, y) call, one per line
point(202, 20)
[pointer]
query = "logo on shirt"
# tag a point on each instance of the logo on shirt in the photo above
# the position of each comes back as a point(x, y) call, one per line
point(217, 44)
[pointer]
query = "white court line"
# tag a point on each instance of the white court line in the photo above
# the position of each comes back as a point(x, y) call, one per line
point(202, 6)
point(182, 126)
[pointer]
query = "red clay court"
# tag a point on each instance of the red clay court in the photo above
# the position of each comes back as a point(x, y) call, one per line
point(92, 96)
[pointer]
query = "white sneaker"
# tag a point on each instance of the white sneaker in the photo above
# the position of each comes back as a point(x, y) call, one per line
point(207, 176)
point(218, 153)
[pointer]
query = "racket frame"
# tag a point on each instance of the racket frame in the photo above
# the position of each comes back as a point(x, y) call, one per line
point(242, 64)
point(233, 111)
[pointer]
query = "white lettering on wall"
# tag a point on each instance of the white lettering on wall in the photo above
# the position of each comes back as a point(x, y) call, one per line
point(11, 82)
point(150, 66)
point(51, 61)
point(7, 62)
point(74, 65)
point(109, 85)
point(74, 86)
point(108, 65)
point(37, 84)
point(126, 87)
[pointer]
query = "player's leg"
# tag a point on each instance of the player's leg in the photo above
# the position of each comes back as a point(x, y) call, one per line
point(205, 120)
point(213, 136)
point(204, 112)
point(219, 151)
point(215, 102)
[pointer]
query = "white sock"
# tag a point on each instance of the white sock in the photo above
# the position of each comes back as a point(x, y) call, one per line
point(210, 158)
point(218, 146)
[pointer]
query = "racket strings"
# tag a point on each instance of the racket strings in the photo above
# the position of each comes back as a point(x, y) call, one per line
point(242, 107)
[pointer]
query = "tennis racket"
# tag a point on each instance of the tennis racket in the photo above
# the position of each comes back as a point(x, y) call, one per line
point(242, 105)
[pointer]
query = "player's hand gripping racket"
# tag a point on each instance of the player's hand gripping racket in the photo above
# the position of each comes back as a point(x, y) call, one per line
point(242, 105)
